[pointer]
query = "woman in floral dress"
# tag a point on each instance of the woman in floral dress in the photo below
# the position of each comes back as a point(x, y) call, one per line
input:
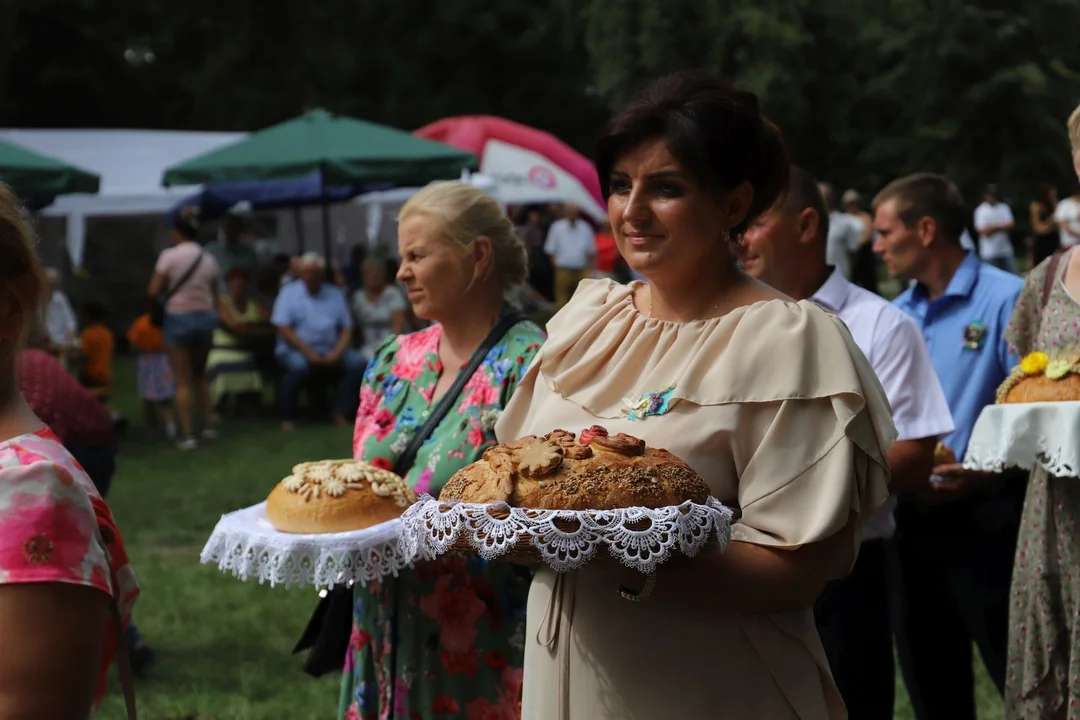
point(1043, 672)
point(445, 638)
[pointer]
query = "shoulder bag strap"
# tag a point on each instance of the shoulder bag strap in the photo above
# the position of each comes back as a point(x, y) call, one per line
point(327, 632)
point(1051, 276)
point(408, 457)
point(186, 276)
point(123, 664)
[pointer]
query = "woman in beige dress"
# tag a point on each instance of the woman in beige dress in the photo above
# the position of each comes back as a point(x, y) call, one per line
point(769, 399)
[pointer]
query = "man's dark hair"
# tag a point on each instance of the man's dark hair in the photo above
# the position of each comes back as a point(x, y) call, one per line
point(927, 195)
point(804, 192)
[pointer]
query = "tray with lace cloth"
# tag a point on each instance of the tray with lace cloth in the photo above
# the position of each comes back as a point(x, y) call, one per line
point(640, 538)
point(1027, 435)
point(245, 544)
point(559, 498)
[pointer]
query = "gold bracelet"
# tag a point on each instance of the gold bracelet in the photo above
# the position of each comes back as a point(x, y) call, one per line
point(641, 595)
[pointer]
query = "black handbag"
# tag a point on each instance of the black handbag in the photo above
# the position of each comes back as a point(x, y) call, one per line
point(157, 310)
point(327, 632)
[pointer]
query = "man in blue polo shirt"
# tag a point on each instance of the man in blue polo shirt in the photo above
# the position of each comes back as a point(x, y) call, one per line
point(954, 542)
point(314, 330)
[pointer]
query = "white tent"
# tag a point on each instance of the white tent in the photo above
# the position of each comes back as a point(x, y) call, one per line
point(130, 163)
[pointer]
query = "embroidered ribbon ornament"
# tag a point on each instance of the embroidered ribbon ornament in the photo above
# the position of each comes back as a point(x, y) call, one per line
point(649, 404)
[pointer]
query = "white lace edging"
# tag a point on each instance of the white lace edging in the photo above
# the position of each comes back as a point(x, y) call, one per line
point(245, 544)
point(1027, 435)
point(430, 527)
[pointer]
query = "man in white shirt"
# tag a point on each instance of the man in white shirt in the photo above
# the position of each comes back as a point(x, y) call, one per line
point(787, 249)
point(60, 323)
point(994, 221)
point(845, 234)
point(571, 245)
point(1067, 216)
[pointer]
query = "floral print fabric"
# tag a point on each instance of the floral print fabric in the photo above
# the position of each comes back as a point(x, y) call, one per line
point(54, 527)
point(1043, 672)
point(443, 639)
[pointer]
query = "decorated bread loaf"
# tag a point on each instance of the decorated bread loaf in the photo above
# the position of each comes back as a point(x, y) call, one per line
point(561, 471)
point(336, 496)
point(1040, 377)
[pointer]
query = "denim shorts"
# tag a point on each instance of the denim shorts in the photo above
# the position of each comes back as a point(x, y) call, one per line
point(190, 330)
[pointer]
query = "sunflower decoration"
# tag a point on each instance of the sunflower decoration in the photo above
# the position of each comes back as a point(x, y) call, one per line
point(1034, 363)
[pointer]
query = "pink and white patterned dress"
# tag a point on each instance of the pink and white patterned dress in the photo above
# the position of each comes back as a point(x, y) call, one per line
point(54, 527)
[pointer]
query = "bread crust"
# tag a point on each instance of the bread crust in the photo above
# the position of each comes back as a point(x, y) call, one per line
point(332, 496)
point(559, 472)
point(1039, 388)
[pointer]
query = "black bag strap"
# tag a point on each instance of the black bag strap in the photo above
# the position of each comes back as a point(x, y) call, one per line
point(186, 276)
point(408, 457)
point(1051, 276)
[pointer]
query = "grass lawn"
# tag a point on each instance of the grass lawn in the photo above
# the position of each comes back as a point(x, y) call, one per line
point(223, 646)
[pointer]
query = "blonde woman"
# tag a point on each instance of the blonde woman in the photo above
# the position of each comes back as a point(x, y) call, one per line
point(66, 588)
point(443, 639)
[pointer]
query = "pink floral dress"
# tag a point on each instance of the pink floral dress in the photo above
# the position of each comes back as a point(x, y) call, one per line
point(54, 527)
point(444, 639)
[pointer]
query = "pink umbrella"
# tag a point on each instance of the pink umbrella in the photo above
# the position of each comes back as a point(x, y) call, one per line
point(527, 165)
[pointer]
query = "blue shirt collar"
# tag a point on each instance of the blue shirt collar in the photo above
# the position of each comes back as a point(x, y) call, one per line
point(962, 284)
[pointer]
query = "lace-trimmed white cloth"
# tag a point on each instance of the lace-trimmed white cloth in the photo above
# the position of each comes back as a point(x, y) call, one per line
point(245, 544)
point(430, 528)
point(1025, 435)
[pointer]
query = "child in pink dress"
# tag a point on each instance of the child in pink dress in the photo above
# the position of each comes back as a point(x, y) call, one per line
point(66, 587)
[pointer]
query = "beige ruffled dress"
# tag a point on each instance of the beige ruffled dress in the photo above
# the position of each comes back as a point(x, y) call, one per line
point(776, 407)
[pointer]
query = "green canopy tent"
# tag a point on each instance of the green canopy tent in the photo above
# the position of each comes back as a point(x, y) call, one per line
point(343, 151)
point(36, 176)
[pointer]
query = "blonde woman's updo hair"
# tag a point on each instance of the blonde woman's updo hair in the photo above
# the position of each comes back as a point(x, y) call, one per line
point(464, 213)
point(21, 273)
point(1074, 132)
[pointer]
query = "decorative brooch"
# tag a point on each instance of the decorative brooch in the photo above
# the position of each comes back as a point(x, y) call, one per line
point(649, 404)
point(974, 335)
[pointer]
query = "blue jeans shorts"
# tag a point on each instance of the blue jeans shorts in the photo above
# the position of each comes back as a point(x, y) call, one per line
point(190, 330)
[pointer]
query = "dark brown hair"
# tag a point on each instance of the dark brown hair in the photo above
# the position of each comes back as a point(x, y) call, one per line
point(237, 272)
point(1044, 194)
point(927, 195)
point(186, 222)
point(804, 192)
point(714, 129)
point(21, 275)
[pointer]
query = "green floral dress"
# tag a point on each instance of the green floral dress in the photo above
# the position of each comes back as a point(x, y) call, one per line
point(1043, 672)
point(443, 639)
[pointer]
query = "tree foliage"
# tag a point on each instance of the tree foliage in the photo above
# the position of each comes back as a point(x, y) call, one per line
point(864, 91)
point(245, 64)
point(868, 91)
